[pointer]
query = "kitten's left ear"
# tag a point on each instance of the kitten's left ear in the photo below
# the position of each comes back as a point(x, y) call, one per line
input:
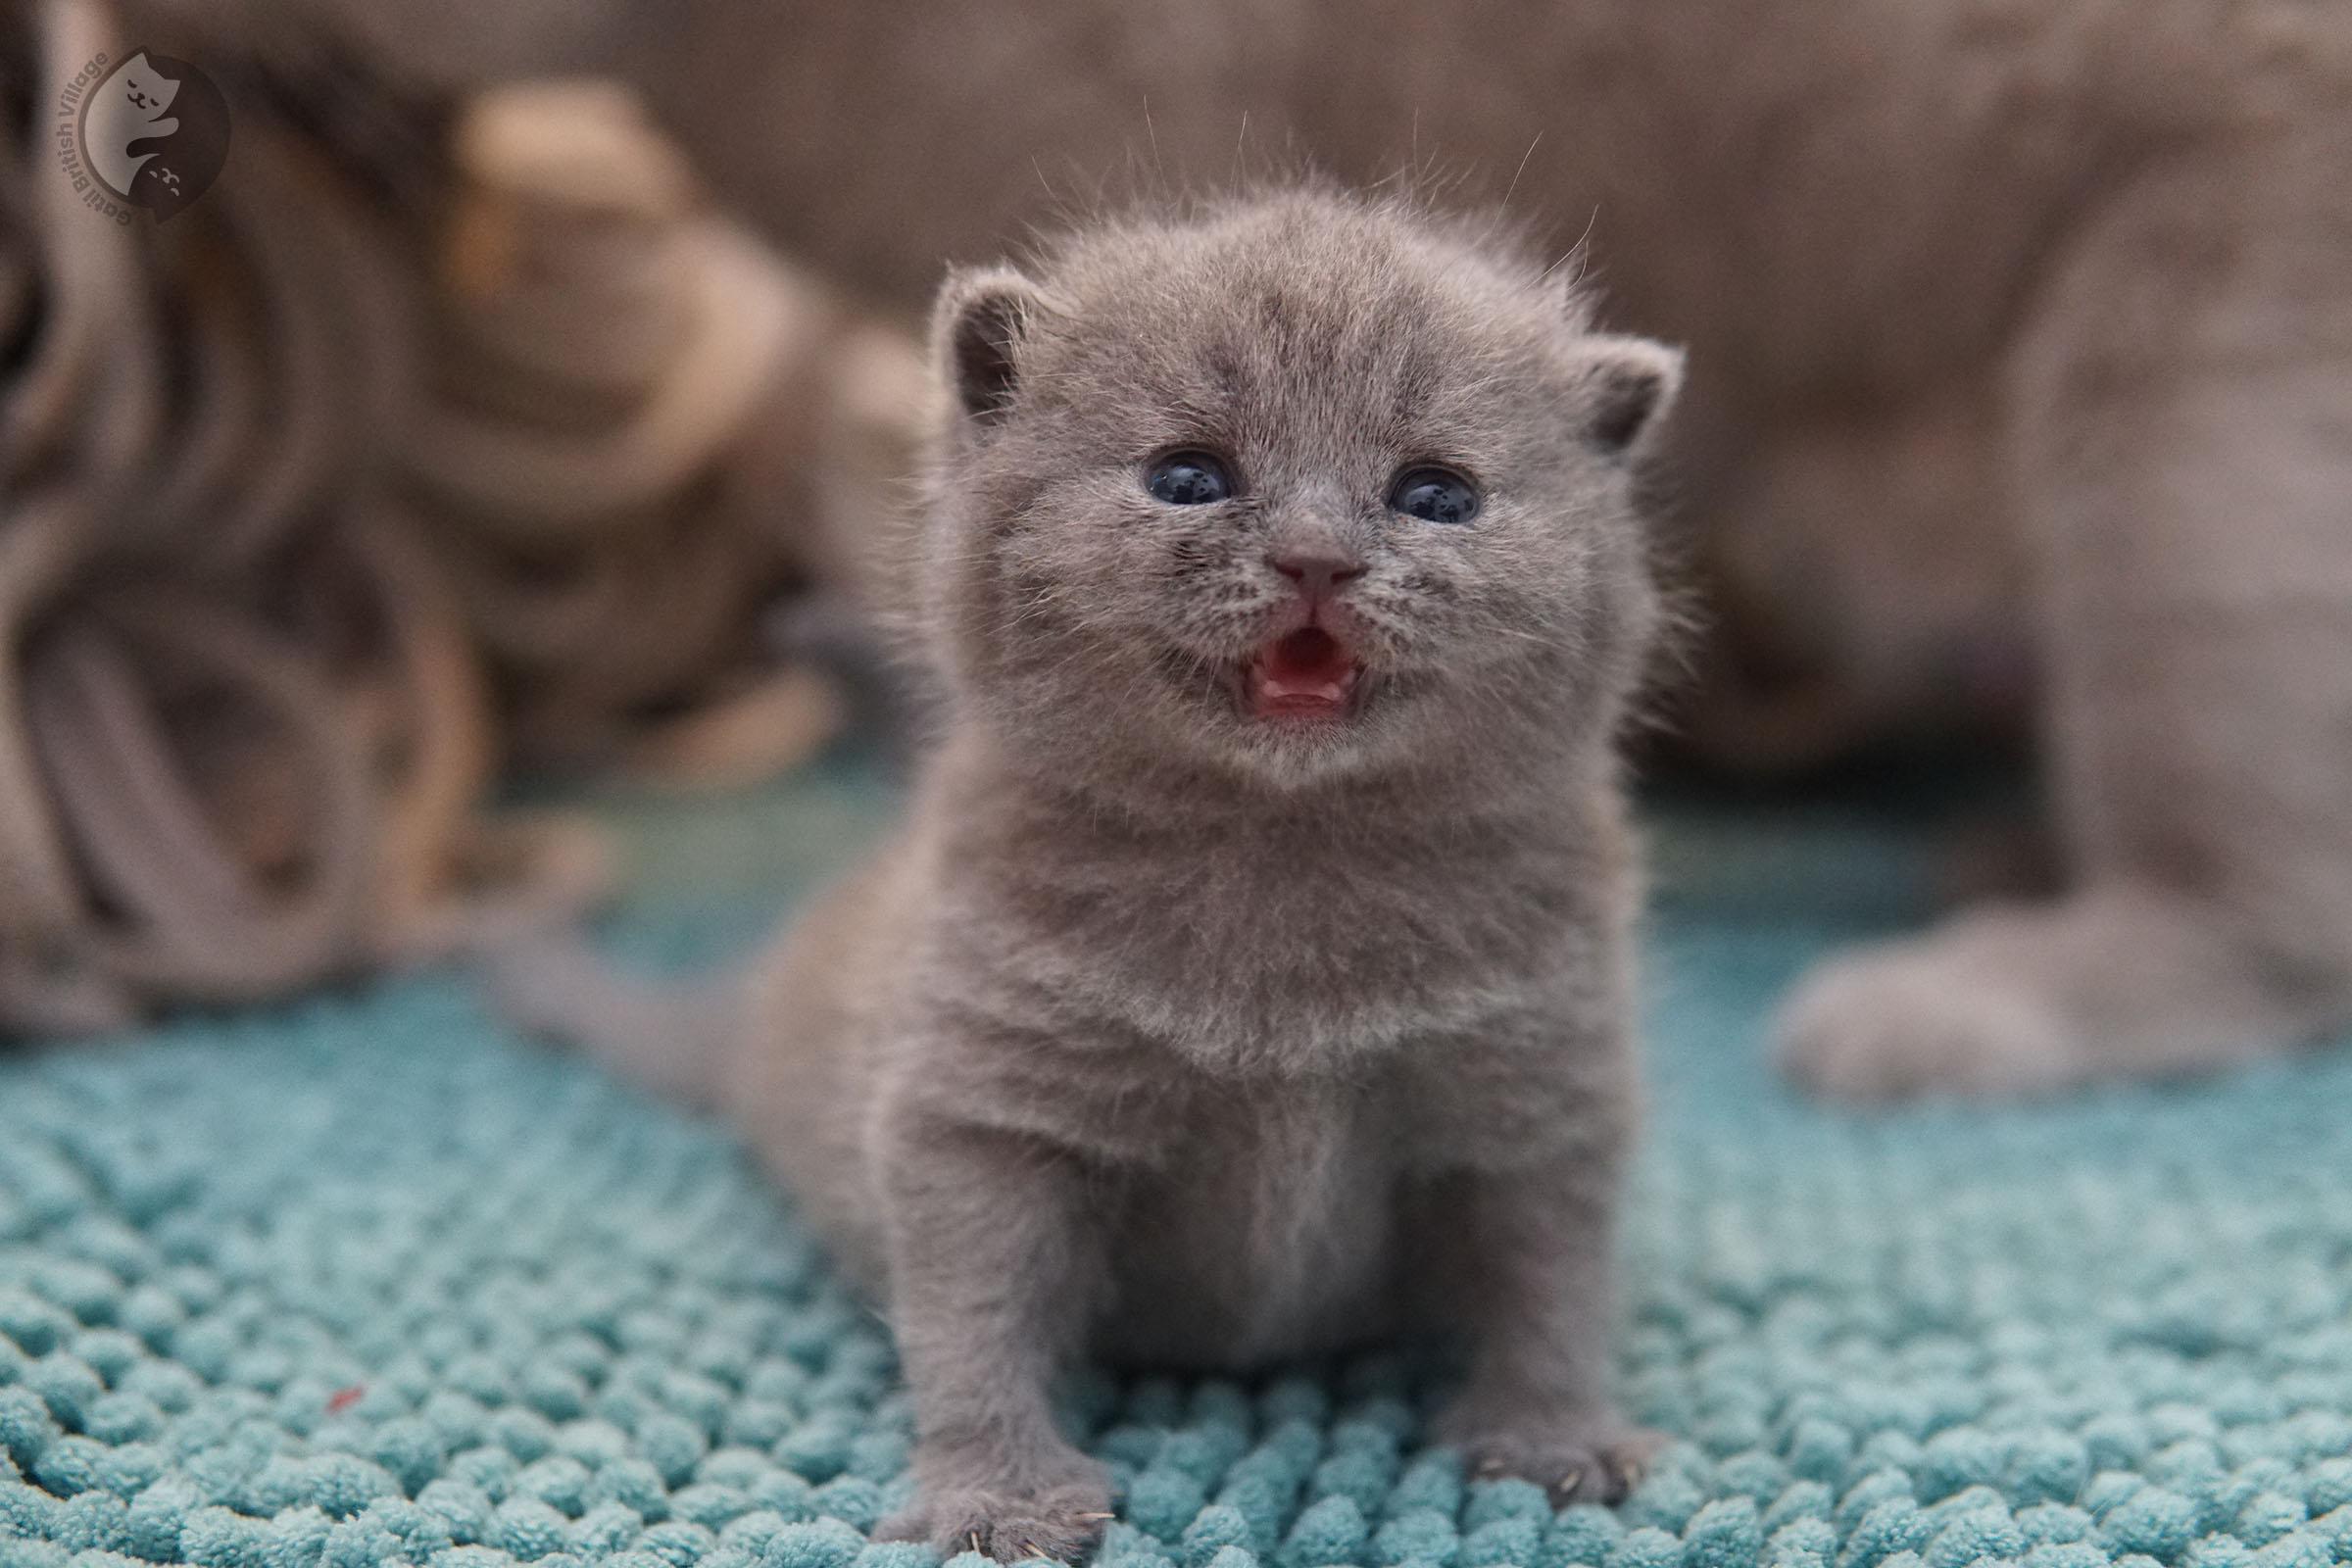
point(1629, 384)
point(976, 331)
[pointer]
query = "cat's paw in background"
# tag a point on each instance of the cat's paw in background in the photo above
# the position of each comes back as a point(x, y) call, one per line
point(2122, 981)
point(1911, 1019)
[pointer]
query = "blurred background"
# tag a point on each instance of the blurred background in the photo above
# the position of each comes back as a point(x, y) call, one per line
point(501, 443)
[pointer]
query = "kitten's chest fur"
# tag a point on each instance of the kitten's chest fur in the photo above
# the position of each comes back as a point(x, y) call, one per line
point(1242, 945)
point(1273, 1227)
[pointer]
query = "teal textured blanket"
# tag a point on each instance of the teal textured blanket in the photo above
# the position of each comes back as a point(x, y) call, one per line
point(367, 1282)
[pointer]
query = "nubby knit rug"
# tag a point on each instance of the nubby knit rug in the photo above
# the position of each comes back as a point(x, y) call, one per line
point(366, 1281)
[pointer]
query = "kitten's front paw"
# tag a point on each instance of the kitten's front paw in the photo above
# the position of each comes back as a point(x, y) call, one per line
point(1575, 1462)
point(1062, 1521)
point(1909, 1018)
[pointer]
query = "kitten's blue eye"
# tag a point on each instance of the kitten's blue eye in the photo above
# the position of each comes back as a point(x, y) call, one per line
point(1434, 495)
point(1188, 479)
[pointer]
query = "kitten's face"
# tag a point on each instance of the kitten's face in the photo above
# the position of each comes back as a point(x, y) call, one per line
point(1299, 492)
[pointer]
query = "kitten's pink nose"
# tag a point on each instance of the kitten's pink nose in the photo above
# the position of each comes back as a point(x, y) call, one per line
point(1316, 572)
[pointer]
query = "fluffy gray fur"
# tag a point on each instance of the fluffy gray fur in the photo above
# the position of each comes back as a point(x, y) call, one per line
point(1180, 1038)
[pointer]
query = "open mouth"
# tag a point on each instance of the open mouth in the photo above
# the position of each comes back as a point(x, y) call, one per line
point(1307, 675)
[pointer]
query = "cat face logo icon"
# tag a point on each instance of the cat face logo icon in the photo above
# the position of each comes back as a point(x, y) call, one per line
point(154, 132)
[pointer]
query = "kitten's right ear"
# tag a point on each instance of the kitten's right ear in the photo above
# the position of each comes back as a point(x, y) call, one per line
point(976, 331)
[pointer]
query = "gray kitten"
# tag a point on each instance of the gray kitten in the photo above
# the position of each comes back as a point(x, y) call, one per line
point(1250, 977)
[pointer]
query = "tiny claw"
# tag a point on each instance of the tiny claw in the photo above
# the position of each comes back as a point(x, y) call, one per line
point(1628, 1472)
point(1568, 1481)
point(1489, 1467)
point(974, 1537)
point(1098, 1516)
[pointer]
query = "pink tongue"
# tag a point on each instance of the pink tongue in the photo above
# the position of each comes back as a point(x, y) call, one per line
point(1307, 663)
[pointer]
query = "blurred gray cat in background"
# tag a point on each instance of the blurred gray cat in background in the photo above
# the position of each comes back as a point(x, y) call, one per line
point(2012, 322)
